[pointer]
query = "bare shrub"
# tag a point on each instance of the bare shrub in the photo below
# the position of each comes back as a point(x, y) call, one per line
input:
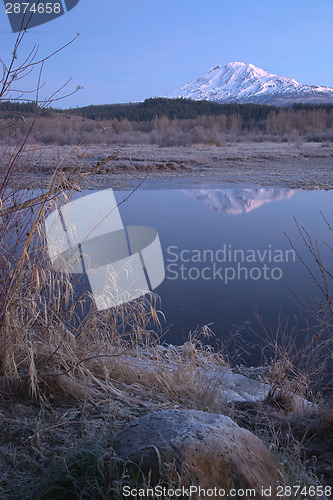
point(302, 364)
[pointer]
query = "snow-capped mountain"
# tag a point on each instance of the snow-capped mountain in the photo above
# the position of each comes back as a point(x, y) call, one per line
point(242, 83)
point(238, 201)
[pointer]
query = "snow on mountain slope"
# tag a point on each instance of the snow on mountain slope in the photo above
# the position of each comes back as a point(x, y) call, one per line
point(241, 83)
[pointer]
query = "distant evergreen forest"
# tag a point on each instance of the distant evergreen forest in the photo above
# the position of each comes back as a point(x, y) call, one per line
point(10, 109)
point(173, 109)
point(180, 109)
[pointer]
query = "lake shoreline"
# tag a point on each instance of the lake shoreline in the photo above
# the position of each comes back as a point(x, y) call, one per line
point(296, 166)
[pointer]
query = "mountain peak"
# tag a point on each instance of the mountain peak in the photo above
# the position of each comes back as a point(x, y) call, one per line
point(236, 64)
point(240, 82)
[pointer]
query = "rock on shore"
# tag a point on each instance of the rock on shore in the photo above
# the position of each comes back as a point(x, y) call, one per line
point(207, 450)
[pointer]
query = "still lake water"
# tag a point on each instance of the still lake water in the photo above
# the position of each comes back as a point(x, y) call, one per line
point(226, 254)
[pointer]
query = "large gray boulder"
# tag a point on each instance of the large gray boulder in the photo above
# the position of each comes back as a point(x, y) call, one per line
point(207, 450)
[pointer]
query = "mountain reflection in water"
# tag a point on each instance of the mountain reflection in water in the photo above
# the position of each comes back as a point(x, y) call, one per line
point(237, 201)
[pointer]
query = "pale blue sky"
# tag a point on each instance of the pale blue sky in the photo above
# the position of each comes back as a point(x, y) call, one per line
point(129, 50)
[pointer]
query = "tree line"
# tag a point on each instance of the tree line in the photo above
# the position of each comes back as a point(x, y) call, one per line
point(169, 122)
point(173, 109)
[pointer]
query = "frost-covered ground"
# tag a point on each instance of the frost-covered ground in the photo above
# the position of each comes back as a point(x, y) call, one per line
point(303, 166)
point(241, 384)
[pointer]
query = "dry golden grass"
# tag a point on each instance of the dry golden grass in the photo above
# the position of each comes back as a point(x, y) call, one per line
point(70, 375)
